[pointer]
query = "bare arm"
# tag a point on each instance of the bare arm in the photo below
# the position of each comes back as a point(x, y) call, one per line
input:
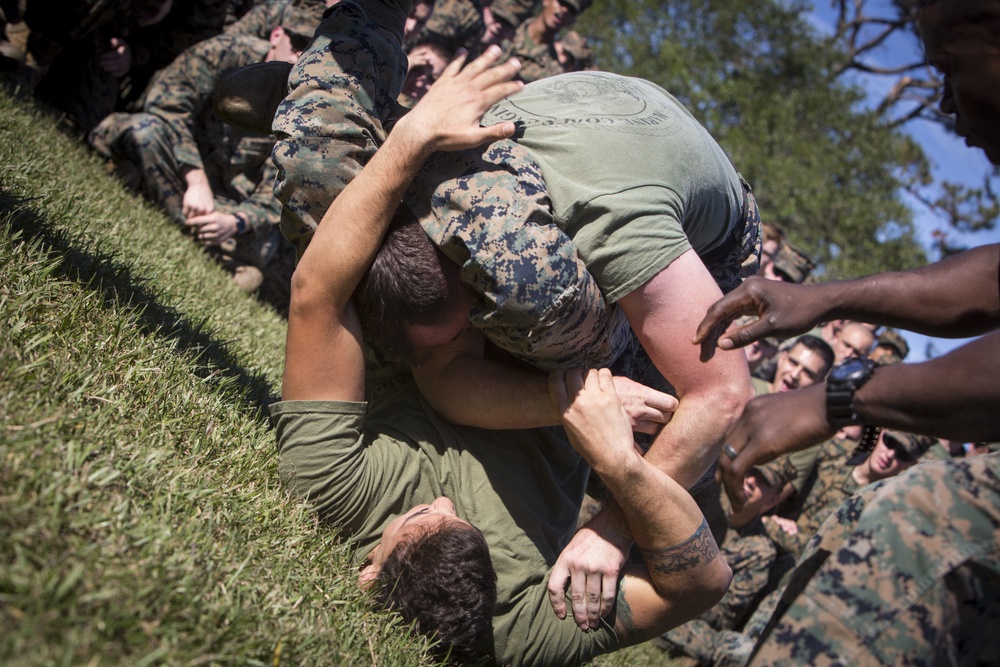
point(323, 357)
point(956, 297)
point(683, 574)
point(465, 388)
point(954, 396)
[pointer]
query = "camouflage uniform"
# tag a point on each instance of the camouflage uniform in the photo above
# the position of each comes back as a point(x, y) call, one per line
point(906, 572)
point(537, 60)
point(455, 24)
point(515, 12)
point(178, 130)
point(342, 94)
point(830, 484)
point(261, 20)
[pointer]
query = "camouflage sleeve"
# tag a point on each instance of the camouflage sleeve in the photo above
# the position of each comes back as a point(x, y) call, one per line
point(750, 557)
point(261, 209)
point(515, 12)
point(489, 212)
point(259, 21)
point(184, 89)
point(341, 94)
point(538, 61)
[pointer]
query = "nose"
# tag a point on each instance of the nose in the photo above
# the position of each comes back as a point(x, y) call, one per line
point(443, 505)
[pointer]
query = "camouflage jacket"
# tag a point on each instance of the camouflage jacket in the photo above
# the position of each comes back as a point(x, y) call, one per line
point(537, 60)
point(237, 163)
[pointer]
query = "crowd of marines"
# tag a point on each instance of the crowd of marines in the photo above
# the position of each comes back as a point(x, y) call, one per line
point(137, 78)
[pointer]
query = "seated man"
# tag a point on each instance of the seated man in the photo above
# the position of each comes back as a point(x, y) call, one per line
point(364, 466)
point(211, 179)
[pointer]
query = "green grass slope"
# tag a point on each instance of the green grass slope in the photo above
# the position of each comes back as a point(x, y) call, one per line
point(141, 519)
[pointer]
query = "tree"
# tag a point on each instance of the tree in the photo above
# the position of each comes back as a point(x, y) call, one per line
point(822, 165)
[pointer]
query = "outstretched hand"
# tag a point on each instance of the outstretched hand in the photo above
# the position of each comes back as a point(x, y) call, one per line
point(447, 117)
point(647, 409)
point(783, 310)
point(772, 425)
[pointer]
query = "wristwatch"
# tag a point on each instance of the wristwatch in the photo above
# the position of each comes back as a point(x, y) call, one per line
point(844, 379)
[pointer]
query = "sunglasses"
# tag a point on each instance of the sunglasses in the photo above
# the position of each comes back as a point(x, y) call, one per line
point(893, 443)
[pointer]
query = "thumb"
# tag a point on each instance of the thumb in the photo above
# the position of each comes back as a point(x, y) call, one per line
point(501, 130)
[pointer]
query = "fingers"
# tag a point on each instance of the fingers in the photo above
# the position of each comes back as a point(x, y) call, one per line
point(722, 312)
point(609, 593)
point(557, 589)
point(594, 598)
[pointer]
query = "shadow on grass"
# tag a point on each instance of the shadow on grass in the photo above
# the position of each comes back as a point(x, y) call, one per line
point(118, 285)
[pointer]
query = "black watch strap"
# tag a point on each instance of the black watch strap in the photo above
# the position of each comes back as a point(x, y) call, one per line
point(869, 436)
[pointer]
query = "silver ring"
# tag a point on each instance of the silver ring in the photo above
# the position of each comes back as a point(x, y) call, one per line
point(731, 452)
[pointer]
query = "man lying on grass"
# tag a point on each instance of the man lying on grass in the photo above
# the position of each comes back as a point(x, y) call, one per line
point(460, 525)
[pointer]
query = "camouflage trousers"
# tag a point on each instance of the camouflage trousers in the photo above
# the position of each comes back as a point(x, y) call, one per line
point(342, 95)
point(904, 573)
point(144, 143)
point(737, 258)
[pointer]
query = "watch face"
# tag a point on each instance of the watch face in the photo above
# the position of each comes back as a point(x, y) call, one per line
point(849, 369)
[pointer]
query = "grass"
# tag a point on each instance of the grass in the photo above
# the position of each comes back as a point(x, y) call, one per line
point(141, 521)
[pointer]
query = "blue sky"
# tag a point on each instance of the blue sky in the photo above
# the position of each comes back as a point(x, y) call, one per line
point(950, 157)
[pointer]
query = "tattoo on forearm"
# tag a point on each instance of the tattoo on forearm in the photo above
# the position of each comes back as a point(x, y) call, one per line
point(625, 626)
point(697, 550)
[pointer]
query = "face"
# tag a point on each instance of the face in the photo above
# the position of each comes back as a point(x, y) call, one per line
point(419, 14)
point(425, 65)
point(556, 15)
point(854, 340)
point(798, 367)
point(888, 458)
point(417, 521)
point(969, 58)
point(282, 48)
point(423, 337)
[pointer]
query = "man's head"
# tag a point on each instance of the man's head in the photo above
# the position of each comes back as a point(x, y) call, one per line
point(891, 348)
point(560, 14)
point(763, 486)
point(805, 363)
point(853, 340)
point(425, 63)
point(772, 238)
point(760, 351)
point(962, 40)
point(420, 12)
point(412, 296)
point(894, 452)
point(434, 568)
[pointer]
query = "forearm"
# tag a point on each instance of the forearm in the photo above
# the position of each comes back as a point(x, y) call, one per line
point(924, 300)
point(954, 396)
point(474, 391)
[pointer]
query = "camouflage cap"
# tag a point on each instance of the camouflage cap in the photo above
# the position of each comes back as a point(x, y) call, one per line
point(889, 337)
point(914, 444)
point(793, 264)
point(577, 5)
point(777, 473)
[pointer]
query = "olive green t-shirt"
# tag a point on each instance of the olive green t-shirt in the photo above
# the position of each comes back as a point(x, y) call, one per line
point(633, 178)
point(521, 488)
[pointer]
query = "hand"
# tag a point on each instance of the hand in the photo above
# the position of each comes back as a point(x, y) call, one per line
point(213, 228)
point(786, 525)
point(783, 310)
point(590, 564)
point(770, 426)
point(447, 117)
point(648, 410)
point(594, 419)
point(198, 198)
point(118, 60)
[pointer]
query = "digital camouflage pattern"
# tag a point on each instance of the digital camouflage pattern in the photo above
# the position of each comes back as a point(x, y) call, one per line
point(178, 130)
point(830, 484)
point(515, 12)
point(489, 212)
point(262, 19)
point(341, 96)
point(906, 572)
point(537, 60)
point(455, 24)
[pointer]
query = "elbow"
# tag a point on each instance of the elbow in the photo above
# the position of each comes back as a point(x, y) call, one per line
point(719, 581)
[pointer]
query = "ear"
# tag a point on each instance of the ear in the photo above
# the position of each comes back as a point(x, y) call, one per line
point(367, 576)
point(276, 34)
